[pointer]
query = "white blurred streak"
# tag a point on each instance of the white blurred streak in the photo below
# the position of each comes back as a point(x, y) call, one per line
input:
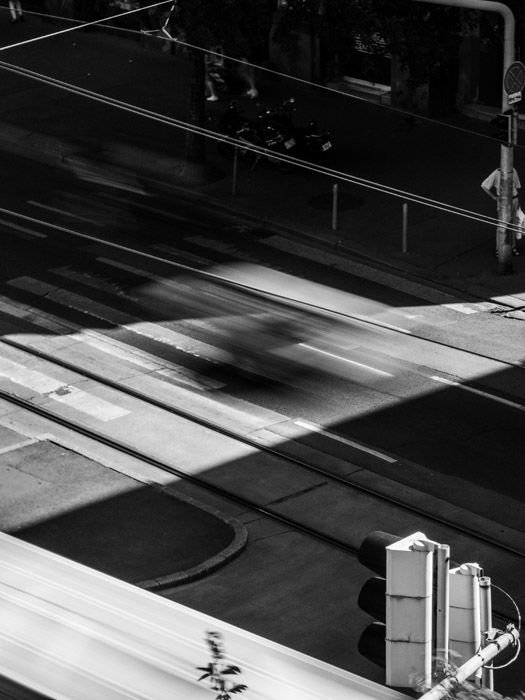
point(73, 633)
point(268, 319)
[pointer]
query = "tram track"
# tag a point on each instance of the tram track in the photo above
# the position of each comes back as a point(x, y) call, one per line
point(233, 435)
point(155, 258)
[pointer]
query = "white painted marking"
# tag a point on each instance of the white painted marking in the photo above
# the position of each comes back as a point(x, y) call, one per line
point(462, 308)
point(170, 250)
point(108, 314)
point(345, 359)
point(371, 321)
point(60, 391)
point(485, 394)
point(22, 229)
point(105, 344)
point(318, 429)
point(18, 445)
point(57, 210)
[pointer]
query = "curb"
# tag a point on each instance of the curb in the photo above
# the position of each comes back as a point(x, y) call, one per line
point(239, 542)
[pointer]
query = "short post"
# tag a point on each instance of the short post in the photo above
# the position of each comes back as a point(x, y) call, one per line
point(335, 192)
point(404, 238)
point(234, 175)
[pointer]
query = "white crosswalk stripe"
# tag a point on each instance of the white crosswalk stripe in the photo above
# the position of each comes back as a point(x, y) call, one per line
point(107, 314)
point(60, 391)
point(102, 343)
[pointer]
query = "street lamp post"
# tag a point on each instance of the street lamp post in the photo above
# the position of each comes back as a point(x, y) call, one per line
point(503, 235)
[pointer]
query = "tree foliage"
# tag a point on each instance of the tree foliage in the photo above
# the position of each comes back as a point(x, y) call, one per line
point(217, 669)
point(421, 35)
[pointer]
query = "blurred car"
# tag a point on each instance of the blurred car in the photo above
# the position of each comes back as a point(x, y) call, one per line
point(264, 320)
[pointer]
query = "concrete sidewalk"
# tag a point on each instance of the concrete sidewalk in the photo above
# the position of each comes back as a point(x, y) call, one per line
point(446, 252)
point(72, 505)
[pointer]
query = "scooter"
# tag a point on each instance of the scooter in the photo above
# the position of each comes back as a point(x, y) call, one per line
point(311, 142)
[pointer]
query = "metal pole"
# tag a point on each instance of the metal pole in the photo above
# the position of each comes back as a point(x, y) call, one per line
point(234, 175)
point(404, 239)
point(442, 602)
point(335, 192)
point(487, 674)
point(503, 235)
point(508, 638)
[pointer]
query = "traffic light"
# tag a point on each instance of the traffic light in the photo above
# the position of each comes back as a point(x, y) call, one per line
point(502, 124)
point(465, 610)
point(400, 600)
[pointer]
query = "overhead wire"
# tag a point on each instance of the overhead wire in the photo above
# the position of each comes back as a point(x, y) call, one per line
point(285, 158)
point(261, 151)
point(83, 25)
point(162, 36)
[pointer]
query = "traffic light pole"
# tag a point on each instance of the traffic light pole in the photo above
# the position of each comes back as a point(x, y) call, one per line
point(504, 640)
point(504, 235)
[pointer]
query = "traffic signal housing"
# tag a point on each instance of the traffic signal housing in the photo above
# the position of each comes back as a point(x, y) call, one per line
point(400, 600)
point(502, 126)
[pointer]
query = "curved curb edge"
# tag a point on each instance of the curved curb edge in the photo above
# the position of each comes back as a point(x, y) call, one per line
point(238, 543)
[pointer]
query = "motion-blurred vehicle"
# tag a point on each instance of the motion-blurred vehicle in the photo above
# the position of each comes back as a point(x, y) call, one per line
point(254, 313)
point(265, 321)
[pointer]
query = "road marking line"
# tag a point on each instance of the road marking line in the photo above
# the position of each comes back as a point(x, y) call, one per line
point(56, 210)
point(318, 429)
point(370, 320)
point(110, 346)
point(18, 445)
point(345, 359)
point(485, 394)
point(23, 229)
point(198, 259)
point(60, 391)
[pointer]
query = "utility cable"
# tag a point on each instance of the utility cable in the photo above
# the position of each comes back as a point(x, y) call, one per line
point(261, 151)
point(81, 26)
point(163, 35)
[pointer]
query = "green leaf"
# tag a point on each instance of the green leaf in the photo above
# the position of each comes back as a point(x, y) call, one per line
point(238, 688)
point(231, 669)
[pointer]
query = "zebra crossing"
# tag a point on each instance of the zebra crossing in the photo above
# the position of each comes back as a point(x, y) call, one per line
point(78, 304)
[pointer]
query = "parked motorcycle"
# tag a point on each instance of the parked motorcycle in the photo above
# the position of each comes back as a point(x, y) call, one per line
point(261, 133)
point(311, 142)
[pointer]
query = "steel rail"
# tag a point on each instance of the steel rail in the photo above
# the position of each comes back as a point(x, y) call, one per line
point(239, 437)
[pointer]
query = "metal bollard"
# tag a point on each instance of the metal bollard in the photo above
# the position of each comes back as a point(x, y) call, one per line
point(335, 192)
point(404, 238)
point(234, 175)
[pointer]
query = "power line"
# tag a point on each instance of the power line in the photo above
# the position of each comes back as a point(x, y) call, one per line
point(202, 131)
point(166, 37)
point(80, 26)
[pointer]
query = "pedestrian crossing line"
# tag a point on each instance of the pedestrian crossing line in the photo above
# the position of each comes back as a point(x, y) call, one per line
point(435, 297)
point(18, 445)
point(138, 272)
point(107, 314)
point(60, 391)
point(57, 210)
point(471, 308)
point(89, 279)
point(105, 344)
point(210, 324)
point(26, 232)
point(231, 249)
